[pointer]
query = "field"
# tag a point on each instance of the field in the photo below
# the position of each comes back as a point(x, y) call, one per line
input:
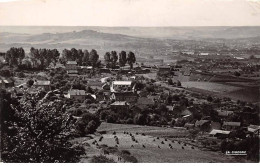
point(149, 148)
point(241, 91)
point(210, 86)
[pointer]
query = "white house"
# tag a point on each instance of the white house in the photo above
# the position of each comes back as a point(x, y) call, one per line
point(46, 85)
point(71, 65)
point(76, 94)
point(121, 86)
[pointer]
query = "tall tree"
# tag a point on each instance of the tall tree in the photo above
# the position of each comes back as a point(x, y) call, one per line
point(74, 54)
point(34, 56)
point(107, 58)
point(85, 59)
point(55, 55)
point(21, 55)
point(65, 56)
point(122, 58)
point(131, 59)
point(80, 56)
point(93, 57)
point(42, 57)
point(114, 58)
point(14, 56)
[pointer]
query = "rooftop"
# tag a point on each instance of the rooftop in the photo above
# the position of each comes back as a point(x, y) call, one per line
point(71, 63)
point(201, 122)
point(124, 94)
point(253, 128)
point(122, 82)
point(76, 92)
point(231, 123)
point(120, 103)
point(224, 113)
point(41, 83)
point(214, 131)
point(72, 71)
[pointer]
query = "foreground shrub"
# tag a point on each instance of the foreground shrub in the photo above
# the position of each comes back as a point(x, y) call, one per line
point(101, 159)
point(88, 124)
point(36, 129)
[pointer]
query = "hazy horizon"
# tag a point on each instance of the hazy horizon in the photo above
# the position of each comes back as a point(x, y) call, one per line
point(150, 32)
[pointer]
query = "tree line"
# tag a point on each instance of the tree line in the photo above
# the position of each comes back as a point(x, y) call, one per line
point(42, 58)
point(112, 58)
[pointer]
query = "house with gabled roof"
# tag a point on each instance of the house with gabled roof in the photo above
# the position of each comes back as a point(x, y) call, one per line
point(120, 105)
point(71, 65)
point(231, 125)
point(254, 129)
point(219, 133)
point(130, 97)
point(45, 85)
point(185, 112)
point(76, 94)
point(6, 82)
point(223, 113)
point(119, 86)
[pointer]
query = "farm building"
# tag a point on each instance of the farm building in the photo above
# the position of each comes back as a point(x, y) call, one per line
point(254, 129)
point(122, 86)
point(169, 107)
point(124, 96)
point(223, 113)
point(58, 65)
point(45, 85)
point(76, 94)
point(6, 82)
point(120, 105)
point(219, 133)
point(73, 73)
point(71, 65)
point(231, 125)
point(164, 68)
point(185, 112)
point(189, 126)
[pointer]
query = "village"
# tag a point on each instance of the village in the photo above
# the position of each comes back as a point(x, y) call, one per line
point(121, 90)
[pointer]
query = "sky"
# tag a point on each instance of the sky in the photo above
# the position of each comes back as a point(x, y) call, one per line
point(144, 13)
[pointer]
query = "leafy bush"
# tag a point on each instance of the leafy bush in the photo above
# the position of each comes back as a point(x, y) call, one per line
point(101, 159)
point(36, 129)
point(30, 83)
point(128, 158)
point(5, 73)
point(88, 124)
point(21, 75)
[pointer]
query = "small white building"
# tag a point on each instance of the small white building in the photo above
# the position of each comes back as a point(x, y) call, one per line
point(46, 85)
point(216, 133)
point(76, 94)
point(71, 65)
point(121, 86)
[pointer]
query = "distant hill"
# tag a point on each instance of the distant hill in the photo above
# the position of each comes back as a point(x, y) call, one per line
point(86, 39)
point(145, 42)
point(147, 32)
